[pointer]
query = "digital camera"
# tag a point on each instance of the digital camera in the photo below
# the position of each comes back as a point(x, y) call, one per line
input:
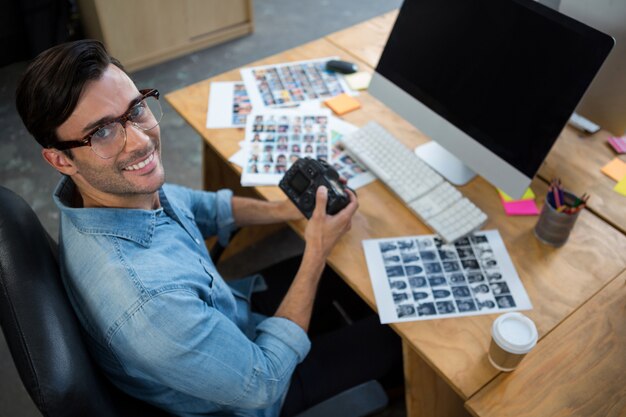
point(301, 181)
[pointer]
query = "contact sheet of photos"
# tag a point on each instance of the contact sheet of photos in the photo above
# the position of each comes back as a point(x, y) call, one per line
point(275, 139)
point(289, 84)
point(421, 278)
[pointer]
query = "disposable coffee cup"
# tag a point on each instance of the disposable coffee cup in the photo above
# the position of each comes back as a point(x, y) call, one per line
point(554, 227)
point(513, 335)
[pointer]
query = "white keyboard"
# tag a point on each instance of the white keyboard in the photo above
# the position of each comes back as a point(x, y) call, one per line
point(435, 201)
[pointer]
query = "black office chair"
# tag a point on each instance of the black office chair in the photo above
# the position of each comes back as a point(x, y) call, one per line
point(40, 327)
point(45, 340)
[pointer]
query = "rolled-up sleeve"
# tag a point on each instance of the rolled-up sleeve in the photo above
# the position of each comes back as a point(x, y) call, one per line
point(286, 332)
point(204, 354)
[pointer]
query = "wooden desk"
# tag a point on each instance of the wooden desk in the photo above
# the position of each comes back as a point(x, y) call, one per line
point(575, 159)
point(445, 360)
point(582, 362)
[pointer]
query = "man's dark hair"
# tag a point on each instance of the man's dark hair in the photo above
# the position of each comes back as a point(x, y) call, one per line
point(49, 90)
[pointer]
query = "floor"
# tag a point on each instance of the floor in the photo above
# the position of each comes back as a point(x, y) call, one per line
point(23, 170)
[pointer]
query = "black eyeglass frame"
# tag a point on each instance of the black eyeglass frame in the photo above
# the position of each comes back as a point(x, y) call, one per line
point(86, 140)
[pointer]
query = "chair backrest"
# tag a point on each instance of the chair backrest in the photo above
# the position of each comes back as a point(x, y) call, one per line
point(40, 327)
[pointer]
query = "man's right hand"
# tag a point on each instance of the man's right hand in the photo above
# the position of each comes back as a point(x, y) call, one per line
point(324, 230)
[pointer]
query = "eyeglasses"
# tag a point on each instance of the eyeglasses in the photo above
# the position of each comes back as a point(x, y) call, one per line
point(108, 140)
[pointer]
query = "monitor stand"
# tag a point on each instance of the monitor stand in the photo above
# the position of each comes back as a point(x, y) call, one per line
point(446, 164)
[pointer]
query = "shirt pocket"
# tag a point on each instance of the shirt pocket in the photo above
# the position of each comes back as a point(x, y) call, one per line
point(222, 297)
point(207, 283)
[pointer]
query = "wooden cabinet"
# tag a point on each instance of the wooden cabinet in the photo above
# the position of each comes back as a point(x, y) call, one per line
point(144, 32)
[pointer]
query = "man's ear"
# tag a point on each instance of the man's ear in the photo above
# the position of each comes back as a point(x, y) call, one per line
point(59, 161)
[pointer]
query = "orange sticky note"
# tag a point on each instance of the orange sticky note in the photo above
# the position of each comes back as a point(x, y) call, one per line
point(342, 104)
point(615, 169)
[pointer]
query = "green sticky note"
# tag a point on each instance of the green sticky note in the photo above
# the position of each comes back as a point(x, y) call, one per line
point(621, 186)
point(528, 195)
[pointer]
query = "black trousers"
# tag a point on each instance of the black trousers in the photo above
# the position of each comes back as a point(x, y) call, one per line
point(344, 353)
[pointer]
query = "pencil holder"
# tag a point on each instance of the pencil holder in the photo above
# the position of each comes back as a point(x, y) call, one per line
point(554, 227)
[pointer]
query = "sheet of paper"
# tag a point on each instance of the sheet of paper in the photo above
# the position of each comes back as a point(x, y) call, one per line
point(420, 278)
point(275, 139)
point(229, 105)
point(239, 157)
point(520, 208)
point(620, 187)
point(356, 174)
point(615, 169)
point(289, 84)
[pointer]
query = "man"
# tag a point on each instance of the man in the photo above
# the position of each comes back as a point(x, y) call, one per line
point(161, 322)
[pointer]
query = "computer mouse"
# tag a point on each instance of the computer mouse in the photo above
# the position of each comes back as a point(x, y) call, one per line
point(343, 67)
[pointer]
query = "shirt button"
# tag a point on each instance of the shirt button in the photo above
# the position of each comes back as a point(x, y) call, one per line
point(197, 241)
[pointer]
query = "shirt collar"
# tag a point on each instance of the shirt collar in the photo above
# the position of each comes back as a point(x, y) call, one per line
point(133, 224)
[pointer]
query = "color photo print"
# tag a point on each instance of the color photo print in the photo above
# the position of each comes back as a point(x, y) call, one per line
point(421, 278)
point(348, 167)
point(229, 105)
point(276, 139)
point(241, 105)
point(293, 83)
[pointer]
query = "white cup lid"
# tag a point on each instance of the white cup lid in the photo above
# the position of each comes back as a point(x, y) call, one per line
point(515, 333)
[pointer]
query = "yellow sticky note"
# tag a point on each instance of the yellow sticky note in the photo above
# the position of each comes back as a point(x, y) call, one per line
point(528, 195)
point(621, 186)
point(359, 80)
point(342, 104)
point(615, 169)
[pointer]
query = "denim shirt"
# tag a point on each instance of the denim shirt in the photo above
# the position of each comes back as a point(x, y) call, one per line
point(160, 320)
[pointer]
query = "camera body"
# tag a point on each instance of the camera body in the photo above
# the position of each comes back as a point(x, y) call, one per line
point(301, 181)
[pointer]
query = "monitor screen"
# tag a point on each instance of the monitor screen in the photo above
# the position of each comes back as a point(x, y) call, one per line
point(506, 73)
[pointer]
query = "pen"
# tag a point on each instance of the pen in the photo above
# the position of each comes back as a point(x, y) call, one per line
point(556, 198)
point(580, 204)
point(557, 193)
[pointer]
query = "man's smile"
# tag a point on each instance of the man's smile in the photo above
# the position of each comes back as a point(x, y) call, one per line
point(141, 164)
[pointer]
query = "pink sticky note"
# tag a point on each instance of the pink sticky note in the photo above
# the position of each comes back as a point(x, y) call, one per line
point(619, 144)
point(520, 208)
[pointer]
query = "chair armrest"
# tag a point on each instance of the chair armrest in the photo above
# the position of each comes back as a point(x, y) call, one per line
point(359, 401)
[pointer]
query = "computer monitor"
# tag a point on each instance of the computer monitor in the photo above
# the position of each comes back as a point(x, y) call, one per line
point(492, 82)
